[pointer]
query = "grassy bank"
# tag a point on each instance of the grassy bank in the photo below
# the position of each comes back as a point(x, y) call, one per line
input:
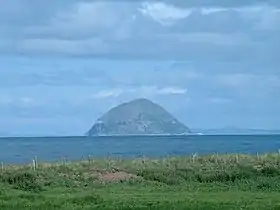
point(207, 182)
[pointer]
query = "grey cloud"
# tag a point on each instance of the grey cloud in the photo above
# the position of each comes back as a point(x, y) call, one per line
point(219, 22)
point(164, 47)
point(221, 3)
point(56, 77)
point(71, 29)
point(28, 12)
point(16, 17)
point(84, 20)
point(81, 22)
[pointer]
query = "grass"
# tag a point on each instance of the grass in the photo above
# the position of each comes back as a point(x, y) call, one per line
point(207, 182)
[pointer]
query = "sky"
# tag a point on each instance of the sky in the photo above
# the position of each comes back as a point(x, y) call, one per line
point(211, 63)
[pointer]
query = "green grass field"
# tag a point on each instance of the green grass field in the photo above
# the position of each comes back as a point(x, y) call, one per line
point(206, 183)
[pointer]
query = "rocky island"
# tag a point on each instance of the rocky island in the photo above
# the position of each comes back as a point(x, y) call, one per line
point(138, 117)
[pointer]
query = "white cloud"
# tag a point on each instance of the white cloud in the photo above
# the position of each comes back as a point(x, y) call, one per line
point(150, 91)
point(212, 10)
point(262, 16)
point(246, 11)
point(163, 13)
point(111, 93)
point(143, 91)
point(172, 90)
point(167, 14)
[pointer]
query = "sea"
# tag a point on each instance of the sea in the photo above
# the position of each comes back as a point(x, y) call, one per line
point(48, 149)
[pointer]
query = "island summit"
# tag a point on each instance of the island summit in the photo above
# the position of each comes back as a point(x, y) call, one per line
point(137, 117)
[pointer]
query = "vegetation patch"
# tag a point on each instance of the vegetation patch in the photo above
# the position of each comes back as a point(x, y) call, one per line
point(199, 182)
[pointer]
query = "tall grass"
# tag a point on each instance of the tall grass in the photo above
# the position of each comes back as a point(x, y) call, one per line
point(157, 183)
point(170, 170)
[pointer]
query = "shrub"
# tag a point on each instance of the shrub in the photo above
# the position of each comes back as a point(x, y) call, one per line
point(22, 180)
point(168, 177)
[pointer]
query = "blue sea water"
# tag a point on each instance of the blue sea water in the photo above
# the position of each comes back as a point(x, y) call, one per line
point(23, 150)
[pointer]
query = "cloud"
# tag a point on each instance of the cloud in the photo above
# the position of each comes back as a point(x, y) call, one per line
point(163, 13)
point(167, 14)
point(53, 73)
point(152, 91)
point(142, 91)
point(223, 55)
point(176, 29)
point(219, 3)
point(86, 20)
point(96, 72)
point(199, 94)
point(107, 93)
point(212, 10)
point(171, 90)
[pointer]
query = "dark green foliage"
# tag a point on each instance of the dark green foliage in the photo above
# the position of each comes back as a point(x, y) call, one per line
point(167, 177)
point(176, 176)
point(225, 176)
point(270, 171)
point(22, 180)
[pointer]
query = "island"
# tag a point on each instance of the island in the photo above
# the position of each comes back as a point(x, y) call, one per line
point(138, 117)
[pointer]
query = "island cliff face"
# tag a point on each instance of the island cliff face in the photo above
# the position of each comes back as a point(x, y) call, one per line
point(138, 117)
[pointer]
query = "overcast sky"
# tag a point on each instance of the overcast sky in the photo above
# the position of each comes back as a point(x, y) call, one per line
point(211, 63)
